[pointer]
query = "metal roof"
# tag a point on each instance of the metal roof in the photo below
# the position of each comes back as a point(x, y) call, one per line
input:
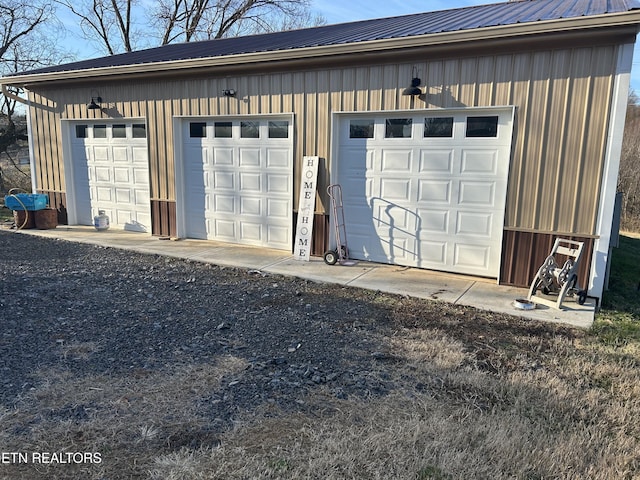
point(453, 20)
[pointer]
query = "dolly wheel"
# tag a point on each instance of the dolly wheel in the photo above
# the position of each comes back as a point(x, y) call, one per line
point(331, 257)
point(582, 297)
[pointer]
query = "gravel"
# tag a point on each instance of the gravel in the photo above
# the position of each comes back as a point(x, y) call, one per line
point(138, 313)
point(89, 310)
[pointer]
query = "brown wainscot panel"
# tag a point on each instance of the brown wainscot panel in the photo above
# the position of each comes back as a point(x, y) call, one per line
point(58, 200)
point(163, 218)
point(524, 252)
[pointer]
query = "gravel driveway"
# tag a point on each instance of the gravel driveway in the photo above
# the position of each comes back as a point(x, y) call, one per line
point(139, 312)
point(84, 311)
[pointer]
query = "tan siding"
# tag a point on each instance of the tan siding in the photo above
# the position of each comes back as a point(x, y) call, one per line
point(468, 81)
point(561, 96)
point(535, 162)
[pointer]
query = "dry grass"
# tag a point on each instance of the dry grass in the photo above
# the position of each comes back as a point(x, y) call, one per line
point(567, 409)
point(575, 418)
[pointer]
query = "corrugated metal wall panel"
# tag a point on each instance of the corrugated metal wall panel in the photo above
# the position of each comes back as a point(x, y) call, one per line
point(524, 253)
point(562, 98)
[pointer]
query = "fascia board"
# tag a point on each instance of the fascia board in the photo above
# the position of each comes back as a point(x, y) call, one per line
point(631, 18)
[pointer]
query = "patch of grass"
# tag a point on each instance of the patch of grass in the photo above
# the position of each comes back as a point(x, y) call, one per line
point(618, 322)
point(431, 472)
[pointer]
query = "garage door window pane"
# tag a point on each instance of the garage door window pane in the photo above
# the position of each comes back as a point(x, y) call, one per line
point(482, 126)
point(250, 129)
point(119, 131)
point(222, 129)
point(361, 129)
point(398, 128)
point(279, 129)
point(139, 130)
point(438, 127)
point(100, 131)
point(81, 131)
point(197, 129)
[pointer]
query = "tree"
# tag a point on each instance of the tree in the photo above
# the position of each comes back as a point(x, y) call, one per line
point(21, 48)
point(629, 176)
point(187, 20)
point(106, 22)
point(124, 25)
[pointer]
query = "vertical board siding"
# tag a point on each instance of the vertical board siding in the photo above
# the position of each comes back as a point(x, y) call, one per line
point(562, 99)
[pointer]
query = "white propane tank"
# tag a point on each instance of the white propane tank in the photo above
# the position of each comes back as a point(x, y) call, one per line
point(101, 221)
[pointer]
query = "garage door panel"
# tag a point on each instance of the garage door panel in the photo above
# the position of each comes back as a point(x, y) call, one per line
point(356, 159)
point(118, 175)
point(433, 253)
point(221, 181)
point(222, 156)
point(278, 208)
point(399, 250)
point(123, 195)
point(279, 158)
point(104, 194)
point(479, 162)
point(394, 216)
point(102, 174)
point(225, 229)
point(474, 223)
point(101, 154)
point(434, 221)
point(436, 161)
point(471, 256)
point(141, 177)
point(121, 154)
point(250, 232)
point(478, 194)
point(121, 175)
point(395, 188)
point(250, 157)
point(397, 160)
point(139, 156)
point(251, 206)
point(142, 200)
point(279, 236)
point(434, 191)
point(223, 203)
point(434, 202)
point(278, 183)
point(249, 180)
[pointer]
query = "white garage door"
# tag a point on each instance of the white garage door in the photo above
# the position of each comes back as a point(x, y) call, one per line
point(111, 173)
point(238, 184)
point(426, 189)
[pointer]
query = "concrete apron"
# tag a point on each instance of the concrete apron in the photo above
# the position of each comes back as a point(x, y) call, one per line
point(457, 289)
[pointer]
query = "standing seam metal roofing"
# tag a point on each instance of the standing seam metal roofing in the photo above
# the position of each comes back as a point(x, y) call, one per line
point(468, 18)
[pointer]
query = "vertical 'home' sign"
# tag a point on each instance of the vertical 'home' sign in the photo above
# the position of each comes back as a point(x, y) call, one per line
point(306, 207)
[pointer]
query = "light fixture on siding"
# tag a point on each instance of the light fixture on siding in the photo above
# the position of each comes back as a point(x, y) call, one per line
point(229, 93)
point(415, 83)
point(94, 104)
point(413, 88)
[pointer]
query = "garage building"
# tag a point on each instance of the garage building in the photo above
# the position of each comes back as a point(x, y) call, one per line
point(465, 140)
